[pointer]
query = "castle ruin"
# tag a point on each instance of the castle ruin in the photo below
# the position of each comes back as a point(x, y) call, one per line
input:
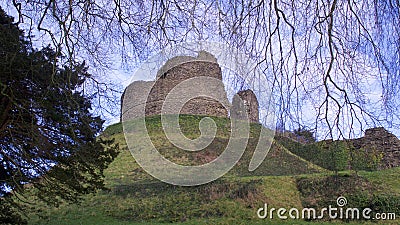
point(251, 104)
point(381, 140)
point(152, 94)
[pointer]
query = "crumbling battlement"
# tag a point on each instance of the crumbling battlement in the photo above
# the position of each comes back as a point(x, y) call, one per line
point(151, 95)
point(381, 140)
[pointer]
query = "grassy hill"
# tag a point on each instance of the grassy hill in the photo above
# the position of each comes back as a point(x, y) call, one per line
point(282, 180)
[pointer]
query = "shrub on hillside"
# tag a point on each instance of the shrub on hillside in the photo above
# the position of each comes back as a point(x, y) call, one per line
point(365, 159)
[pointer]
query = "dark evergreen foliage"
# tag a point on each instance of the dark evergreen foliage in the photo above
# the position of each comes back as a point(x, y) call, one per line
point(48, 136)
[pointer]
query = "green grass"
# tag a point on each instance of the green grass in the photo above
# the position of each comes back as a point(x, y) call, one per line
point(328, 154)
point(282, 180)
point(386, 180)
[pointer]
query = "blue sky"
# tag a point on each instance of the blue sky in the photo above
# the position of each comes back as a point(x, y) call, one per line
point(121, 72)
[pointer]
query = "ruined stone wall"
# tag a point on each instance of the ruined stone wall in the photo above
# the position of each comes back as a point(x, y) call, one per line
point(196, 106)
point(178, 60)
point(382, 141)
point(150, 95)
point(251, 103)
point(133, 100)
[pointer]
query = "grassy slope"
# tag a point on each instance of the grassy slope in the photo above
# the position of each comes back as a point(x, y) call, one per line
point(136, 198)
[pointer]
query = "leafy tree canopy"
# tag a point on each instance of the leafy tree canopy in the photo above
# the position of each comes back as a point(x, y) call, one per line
point(48, 136)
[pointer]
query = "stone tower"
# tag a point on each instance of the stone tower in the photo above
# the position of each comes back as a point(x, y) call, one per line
point(152, 94)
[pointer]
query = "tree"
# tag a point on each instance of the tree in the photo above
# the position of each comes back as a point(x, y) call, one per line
point(365, 159)
point(337, 156)
point(335, 60)
point(305, 135)
point(48, 136)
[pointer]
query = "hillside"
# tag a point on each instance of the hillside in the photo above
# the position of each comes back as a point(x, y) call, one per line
point(378, 149)
point(279, 160)
point(282, 180)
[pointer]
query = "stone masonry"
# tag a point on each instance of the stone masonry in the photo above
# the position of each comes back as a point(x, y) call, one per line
point(177, 72)
point(150, 96)
point(251, 104)
point(382, 141)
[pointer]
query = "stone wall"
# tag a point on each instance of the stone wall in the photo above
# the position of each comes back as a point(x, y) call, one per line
point(150, 96)
point(382, 141)
point(251, 104)
point(196, 106)
point(133, 100)
point(178, 60)
point(205, 77)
